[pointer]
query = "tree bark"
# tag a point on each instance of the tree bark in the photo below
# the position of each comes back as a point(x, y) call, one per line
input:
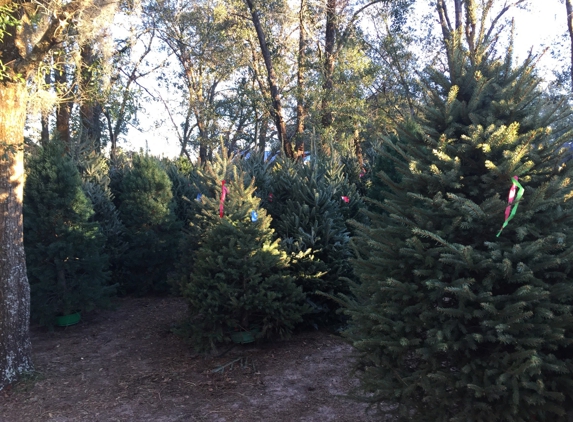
point(358, 148)
point(15, 349)
point(300, 81)
point(328, 84)
point(272, 78)
point(263, 133)
point(63, 108)
point(45, 119)
point(569, 7)
point(45, 134)
point(90, 109)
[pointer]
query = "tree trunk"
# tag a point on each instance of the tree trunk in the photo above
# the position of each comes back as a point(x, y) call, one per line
point(300, 81)
point(263, 133)
point(569, 7)
point(15, 349)
point(112, 135)
point(275, 95)
point(358, 148)
point(63, 109)
point(328, 84)
point(45, 134)
point(90, 109)
point(45, 120)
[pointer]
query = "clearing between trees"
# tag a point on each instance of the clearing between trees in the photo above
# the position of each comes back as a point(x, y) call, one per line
point(126, 365)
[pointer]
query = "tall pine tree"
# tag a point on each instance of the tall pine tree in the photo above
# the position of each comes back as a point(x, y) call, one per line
point(452, 321)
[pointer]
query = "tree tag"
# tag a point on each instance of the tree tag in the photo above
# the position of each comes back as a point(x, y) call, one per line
point(224, 191)
point(509, 211)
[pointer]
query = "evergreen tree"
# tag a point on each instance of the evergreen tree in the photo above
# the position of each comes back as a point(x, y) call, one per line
point(94, 170)
point(66, 267)
point(239, 280)
point(384, 160)
point(308, 203)
point(152, 231)
point(183, 186)
point(452, 322)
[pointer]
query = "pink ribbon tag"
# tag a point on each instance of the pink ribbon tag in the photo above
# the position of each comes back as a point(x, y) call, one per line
point(224, 191)
point(345, 199)
point(510, 198)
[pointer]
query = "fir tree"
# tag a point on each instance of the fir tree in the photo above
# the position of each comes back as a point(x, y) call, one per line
point(239, 280)
point(94, 170)
point(152, 231)
point(452, 322)
point(383, 161)
point(66, 267)
point(308, 206)
point(182, 176)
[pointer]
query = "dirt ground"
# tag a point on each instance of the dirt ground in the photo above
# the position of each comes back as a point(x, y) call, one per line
point(126, 365)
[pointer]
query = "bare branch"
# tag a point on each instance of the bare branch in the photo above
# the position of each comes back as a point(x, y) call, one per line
point(506, 7)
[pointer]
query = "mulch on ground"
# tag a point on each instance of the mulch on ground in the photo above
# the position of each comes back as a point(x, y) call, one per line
point(127, 365)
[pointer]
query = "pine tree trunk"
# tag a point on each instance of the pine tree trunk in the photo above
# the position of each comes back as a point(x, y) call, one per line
point(300, 112)
point(45, 120)
point(15, 349)
point(63, 112)
point(328, 84)
point(272, 78)
point(262, 139)
point(569, 7)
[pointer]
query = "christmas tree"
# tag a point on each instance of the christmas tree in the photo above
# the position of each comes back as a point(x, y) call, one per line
point(308, 203)
point(152, 231)
point(454, 319)
point(94, 170)
point(66, 268)
point(239, 280)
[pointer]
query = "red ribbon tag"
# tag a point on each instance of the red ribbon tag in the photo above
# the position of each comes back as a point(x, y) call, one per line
point(270, 197)
point(346, 199)
point(224, 191)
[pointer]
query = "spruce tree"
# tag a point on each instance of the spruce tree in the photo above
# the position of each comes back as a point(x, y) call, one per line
point(453, 322)
point(240, 278)
point(152, 231)
point(66, 267)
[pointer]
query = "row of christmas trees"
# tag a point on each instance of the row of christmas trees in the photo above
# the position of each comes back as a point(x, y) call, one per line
point(248, 243)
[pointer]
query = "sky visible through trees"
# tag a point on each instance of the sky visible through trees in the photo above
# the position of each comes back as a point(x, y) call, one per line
point(541, 25)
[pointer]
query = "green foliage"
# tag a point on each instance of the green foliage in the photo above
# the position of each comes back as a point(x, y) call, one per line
point(67, 270)
point(182, 176)
point(309, 216)
point(152, 231)
point(9, 24)
point(451, 322)
point(94, 171)
point(240, 278)
point(384, 171)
